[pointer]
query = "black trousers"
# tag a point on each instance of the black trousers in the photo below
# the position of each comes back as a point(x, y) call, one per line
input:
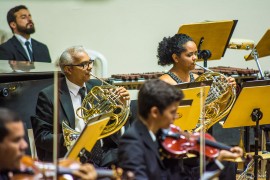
point(189, 169)
point(192, 168)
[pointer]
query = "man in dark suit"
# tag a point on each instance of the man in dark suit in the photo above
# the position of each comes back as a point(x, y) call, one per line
point(21, 46)
point(76, 65)
point(139, 147)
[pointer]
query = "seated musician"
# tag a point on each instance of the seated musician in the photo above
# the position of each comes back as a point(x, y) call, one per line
point(139, 149)
point(76, 66)
point(181, 52)
point(13, 146)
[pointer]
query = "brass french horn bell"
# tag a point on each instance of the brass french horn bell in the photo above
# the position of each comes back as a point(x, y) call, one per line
point(220, 99)
point(101, 99)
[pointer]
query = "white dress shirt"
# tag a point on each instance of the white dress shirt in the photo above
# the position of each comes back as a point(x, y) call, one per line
point(22, 40)
point(76, 102)
point(153, 136)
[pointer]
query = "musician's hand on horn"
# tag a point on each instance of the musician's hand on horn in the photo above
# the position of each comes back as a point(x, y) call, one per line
point(231, 81)
point(121, 91)
point(235, 152)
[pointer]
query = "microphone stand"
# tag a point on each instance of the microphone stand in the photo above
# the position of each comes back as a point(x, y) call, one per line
point(256, 116)
point(203, 54)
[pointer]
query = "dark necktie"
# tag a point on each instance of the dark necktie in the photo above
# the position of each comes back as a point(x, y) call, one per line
point(96, 153)
point(27, 43)
point(82, 93)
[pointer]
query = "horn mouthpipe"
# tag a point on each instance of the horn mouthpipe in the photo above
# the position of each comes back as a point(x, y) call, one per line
point(204, 67)
point(104, 82)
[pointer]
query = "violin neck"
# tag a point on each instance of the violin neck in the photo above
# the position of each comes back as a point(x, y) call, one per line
point(217, 145)
point(101, 173)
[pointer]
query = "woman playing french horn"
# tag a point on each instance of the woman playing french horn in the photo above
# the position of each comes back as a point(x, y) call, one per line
point(181, 52)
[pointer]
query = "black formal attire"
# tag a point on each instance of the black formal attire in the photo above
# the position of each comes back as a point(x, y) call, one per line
point(4, 175)
point(111, 143)
point(42, 122)
point(191, 168)
point(13, 50)
point(139, 153)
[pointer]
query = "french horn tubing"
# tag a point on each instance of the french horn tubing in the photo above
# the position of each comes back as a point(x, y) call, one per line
point(220, 99)
point(99, 100)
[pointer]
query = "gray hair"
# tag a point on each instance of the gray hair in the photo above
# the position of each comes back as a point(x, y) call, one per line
point(69, 55)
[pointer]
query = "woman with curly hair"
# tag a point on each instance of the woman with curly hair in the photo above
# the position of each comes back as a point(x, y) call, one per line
point(180, 51)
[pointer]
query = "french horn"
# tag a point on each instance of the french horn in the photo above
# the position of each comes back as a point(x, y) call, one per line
point(219, 101)
point(100, 99)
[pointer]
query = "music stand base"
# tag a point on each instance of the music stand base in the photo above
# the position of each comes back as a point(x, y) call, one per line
point(256, 116)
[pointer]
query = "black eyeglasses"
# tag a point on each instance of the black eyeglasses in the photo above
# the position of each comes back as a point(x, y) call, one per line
point(84, 65)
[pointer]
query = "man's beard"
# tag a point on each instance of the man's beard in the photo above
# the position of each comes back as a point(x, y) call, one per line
point(26, 30)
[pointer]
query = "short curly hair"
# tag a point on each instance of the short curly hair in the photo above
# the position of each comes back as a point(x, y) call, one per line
point(169, 46)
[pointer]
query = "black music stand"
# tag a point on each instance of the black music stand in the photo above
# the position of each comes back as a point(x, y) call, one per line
point(212, 37)
point(189, 110)
point(261, 50)
point(88, 137)
point(251, 109)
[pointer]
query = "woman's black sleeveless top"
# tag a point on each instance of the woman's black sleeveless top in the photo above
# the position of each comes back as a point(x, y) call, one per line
point(177, 80)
